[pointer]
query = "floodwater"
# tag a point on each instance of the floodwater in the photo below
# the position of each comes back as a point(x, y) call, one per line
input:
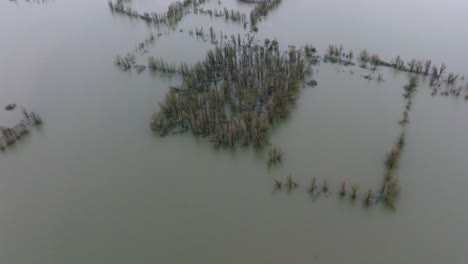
point(95, 185)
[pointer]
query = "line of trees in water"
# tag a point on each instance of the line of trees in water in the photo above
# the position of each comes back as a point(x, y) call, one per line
point(437, 74)
point(178, 9)
point(323, 187)
point(390, 187)
point(175, 12)
point(261, 9)
point(33, 1)
point(128, 61)
point(229, 131)
point(235, 94)
point(231, 15)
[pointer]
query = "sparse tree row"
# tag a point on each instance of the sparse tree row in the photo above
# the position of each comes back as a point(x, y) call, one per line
point(275, 154)
point(337, 54)
point(231, 15)
point(234, 94)
point(249, 1)
point(128, 61)
point(316, 188)
point(171, 17)
point(239, 90)
point(9, 136)
point(261, 9)
point(218, 38)
point(369, 196)
point(390, 186)
point(437, 75)
point(422, 67)
point(177, 10)
point(159, 64)
point(34, 1)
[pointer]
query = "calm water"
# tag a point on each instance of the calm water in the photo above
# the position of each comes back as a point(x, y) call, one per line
point(95, 185)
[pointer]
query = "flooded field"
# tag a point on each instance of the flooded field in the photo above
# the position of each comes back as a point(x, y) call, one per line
point(95, 184)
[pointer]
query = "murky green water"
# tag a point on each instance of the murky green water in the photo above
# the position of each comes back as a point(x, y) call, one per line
point(95, 185)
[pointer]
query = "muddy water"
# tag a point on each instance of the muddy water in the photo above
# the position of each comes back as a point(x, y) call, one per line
point(95, 185)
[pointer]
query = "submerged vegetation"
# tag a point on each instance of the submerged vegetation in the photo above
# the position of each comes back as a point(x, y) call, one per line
point(325, 185)
point(31, 117)
point(391, 189)
point(234, 95)
point(291, 183)
point(337, 54)
point(313, 185)
point(231, 15)
point(275, 154)
point(343, 188)
point(159, 64)
point(9, 136)
point(237, 93)
point(354, 191)
point(175, 12)
point(128, 61)
point(278, 184)
point(391, 185)
point(33, 1)
point(261, 9)
point(369, 196)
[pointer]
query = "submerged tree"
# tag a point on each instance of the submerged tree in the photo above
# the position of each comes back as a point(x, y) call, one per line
point(364, 56)
point(452, 78)
point(275, 154)
point(313, 185)
point(261, 9)
point(391, 189)
point(354, 190)
point(325, 185)
point(291, 183)
point(427, 67)
point(175, 12)
point(278, 184)
point(369, 196)
point(398, 63)
point(343, 188)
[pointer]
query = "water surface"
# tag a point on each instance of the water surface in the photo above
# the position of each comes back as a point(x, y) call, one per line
point(95, 185)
